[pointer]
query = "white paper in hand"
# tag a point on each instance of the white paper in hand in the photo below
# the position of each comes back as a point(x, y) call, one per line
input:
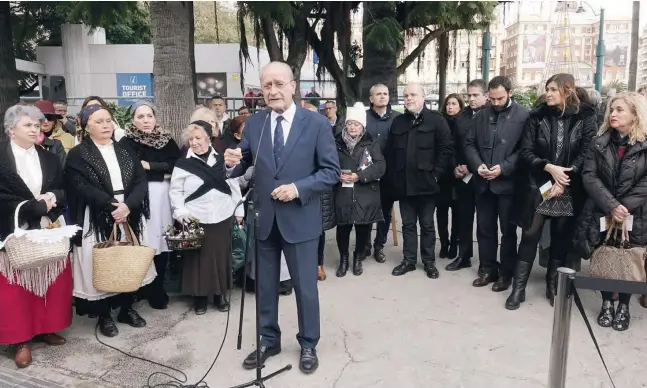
point(630, 223)
point(467, 177)
point(545, 189)
point(351, 185)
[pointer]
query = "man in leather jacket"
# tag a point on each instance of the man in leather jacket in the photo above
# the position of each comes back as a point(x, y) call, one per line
point(419, 149)
point(492, 151)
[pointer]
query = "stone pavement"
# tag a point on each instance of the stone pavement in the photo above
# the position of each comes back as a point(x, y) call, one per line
point(377, 331)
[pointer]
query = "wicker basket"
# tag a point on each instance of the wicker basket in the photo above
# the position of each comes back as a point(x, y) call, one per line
point(120, 266)
point(36, 248)
point(179, 243)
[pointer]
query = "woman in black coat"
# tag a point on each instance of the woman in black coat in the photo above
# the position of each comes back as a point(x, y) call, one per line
point(452, 107)
point(556, 138)
point(357, 196)
point(615, 178)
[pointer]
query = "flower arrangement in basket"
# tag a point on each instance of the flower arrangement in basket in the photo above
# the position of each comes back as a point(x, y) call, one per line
point(186, 239)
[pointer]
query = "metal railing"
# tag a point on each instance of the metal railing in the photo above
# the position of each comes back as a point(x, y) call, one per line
point(567, 281)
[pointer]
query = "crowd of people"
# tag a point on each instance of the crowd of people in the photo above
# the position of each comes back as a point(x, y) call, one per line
point(562, 166)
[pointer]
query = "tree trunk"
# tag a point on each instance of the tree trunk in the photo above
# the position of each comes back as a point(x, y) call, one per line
point(443, 58)
point(633, 62)
point(9, 95)
point(297, 51)
point(380, 66)
point(173, 66)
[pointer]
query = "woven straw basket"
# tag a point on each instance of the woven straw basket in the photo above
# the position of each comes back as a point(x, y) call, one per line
point(24, 253)
point(120, 266)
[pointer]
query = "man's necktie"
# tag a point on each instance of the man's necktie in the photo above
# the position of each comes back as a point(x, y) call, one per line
point(279, 143)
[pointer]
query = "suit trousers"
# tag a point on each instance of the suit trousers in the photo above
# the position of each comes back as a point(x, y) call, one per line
point(416, 209)
point(491, 207)
point(444, 202)
point(382, 232)
point(301, 259)
point(466, 210)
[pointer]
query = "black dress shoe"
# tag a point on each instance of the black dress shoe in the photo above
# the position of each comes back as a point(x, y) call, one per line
point(432, 271)
point(403, 268)
point(622, 319)
point(502, 284)
point(458, 264)
point(379, 255)
point(266, 352)
point(483, 281)
point(131, 317)
point(607, 314)
point(285, 288)
point(308, 362)
point(107, 326)
point(200, 305)
point(221, 303)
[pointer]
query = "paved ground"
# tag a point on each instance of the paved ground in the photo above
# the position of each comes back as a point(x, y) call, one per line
point(377, 331)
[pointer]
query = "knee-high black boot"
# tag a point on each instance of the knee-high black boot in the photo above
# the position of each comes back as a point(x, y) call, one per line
point(518, 295)
point(156, 295)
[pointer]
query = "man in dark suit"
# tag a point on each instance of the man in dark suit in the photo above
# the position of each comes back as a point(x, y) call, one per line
point(297, 160)
point(492, 151)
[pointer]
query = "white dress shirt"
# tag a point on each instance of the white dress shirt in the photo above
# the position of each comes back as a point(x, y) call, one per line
point(211, 208)
point(110, 157)
point(286, 124)
point(28, 167)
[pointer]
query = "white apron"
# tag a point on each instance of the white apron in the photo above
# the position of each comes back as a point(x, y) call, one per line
point(161, 217)
point(83, 287)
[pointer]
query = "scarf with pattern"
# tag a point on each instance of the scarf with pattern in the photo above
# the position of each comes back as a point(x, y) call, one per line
point(157, 138)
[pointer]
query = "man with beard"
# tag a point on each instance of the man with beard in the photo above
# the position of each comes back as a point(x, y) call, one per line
point(419, 149)
point(492, 150)
point(476, 97)
point(378, 123)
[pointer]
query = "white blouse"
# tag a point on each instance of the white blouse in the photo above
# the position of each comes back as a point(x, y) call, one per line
point(211, 208)
point(110, 157)
point(28, 167)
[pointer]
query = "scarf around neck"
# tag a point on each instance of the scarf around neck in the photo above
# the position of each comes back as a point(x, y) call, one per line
point(350, 142)
point(157, 138)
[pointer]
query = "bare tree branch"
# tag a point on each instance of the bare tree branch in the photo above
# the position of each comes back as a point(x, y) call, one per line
point(421, 47)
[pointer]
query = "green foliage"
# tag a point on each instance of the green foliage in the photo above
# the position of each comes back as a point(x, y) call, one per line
point(526, 98)
point(120, 113)
point(385, 35)
point(205, 23)
point(38, 23)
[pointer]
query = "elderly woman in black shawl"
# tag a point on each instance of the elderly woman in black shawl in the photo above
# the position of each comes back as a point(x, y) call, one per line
point(106, 183)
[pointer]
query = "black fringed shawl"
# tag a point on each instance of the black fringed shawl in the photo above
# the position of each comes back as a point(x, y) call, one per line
point(13, 191)
point(87, 181)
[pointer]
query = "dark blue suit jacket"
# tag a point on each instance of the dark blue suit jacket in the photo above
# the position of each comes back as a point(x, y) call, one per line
point(309, 160)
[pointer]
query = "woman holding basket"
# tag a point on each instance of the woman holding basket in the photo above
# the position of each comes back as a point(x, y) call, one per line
point(34, 303)
point(615, 178)
point(200, 191)
point(106, 184)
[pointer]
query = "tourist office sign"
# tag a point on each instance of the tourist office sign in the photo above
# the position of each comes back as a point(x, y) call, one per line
point(133, 87)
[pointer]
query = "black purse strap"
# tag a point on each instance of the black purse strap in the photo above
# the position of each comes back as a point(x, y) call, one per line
point(578, 303)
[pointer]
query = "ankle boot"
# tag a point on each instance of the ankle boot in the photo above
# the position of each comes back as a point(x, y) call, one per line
point(518, 295)
point(357, 263)
point(343, 266)
point(551, 280)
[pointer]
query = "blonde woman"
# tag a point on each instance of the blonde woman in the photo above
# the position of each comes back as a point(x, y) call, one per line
point(615, 178)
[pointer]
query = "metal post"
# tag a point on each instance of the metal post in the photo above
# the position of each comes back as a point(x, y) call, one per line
point(561, 329)
point(599, 54)
point(485, 64)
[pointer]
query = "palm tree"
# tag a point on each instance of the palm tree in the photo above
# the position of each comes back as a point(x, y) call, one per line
point(174, 63)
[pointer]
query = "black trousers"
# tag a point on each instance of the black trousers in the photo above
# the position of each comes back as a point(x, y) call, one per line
point(561, 233)
point(466, 210)
point(416, 209)
point(382, 232)
point(446, 201)
point(320, 251)
point(491, 208)
point(362, 237)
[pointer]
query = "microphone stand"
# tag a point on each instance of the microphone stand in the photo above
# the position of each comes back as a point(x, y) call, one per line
point(254, 216)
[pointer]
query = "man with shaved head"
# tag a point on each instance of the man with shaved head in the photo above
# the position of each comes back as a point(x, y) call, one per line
point(295, 159)
point(419, 149)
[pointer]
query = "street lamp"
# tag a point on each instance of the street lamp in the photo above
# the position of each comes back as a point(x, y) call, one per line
point(599, 50)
